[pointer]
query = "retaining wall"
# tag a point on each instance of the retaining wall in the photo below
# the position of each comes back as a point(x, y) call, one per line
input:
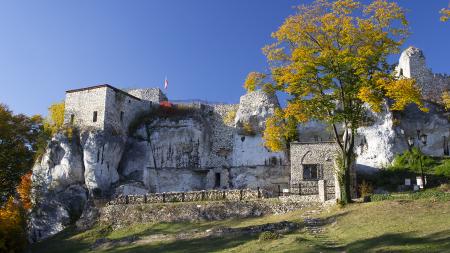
point(191, 196)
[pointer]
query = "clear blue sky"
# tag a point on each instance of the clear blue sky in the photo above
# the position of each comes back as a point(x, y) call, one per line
point(205, 47)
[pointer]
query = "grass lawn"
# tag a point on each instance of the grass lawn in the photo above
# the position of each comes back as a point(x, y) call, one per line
point(421, 225)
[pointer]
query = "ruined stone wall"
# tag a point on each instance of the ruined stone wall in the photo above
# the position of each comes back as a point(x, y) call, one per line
point(222, 135)
point(190, 196)
point(82, 105)
point(154, 95)
point(412, 64)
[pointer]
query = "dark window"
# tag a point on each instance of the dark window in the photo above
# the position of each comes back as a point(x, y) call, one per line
point(217, 181)
point(72, 119)
point(121, 116)
point(129, 101)
point(312, 172)
point(94, 118)
point(401, 72)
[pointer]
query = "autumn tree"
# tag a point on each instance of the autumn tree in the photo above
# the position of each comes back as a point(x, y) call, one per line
point(12, 227)
point(331, 58)
point(445, 13)
point(55, 119)
point(19, 140)
point(24, 191)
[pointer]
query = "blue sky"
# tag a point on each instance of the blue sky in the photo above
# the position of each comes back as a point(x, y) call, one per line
point(204, 47)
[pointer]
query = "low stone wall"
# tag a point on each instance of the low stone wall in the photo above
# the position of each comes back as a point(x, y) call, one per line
point(119, 216)
point(191, 196)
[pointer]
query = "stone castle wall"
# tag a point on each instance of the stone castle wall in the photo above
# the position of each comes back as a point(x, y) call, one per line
point(82, 104)
point(115, 108)
point(154, 95)
point(412, 64)
point(122, 110)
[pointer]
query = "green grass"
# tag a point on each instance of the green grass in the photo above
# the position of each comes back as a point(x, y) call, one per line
point(402, 225)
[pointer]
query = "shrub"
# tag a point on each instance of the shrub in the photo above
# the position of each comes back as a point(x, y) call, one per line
point(229, 117)
point(443, 169)
point(365, 189)
point(268, 236)
point(410, 160)
point(248, 129)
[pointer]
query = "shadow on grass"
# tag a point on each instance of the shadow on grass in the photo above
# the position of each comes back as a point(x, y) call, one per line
point(195, 245)
point(403, 242)
point(62, 242)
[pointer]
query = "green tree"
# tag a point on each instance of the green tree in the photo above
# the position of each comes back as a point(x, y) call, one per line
point(19, 138)
point(331, 59)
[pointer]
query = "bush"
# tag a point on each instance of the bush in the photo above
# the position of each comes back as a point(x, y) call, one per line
point(410, 161)
point(365, 189)
point(443, 169)
point(229, 117)
point(268, 236)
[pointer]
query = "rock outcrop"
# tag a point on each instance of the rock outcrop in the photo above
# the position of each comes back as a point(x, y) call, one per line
point(102, 153)
point(254, 108)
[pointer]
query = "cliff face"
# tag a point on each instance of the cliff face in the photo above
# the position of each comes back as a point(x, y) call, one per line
point(187, 147)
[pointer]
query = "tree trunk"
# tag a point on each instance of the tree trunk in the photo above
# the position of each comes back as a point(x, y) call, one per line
point(346, 148)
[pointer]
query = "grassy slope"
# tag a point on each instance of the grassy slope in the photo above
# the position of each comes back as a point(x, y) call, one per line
point(386, 226)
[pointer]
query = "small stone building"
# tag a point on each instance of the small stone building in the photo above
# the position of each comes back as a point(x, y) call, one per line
point(105, 107)
point(313, 169)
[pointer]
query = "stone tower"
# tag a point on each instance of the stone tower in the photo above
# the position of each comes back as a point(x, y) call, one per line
point(412, 64)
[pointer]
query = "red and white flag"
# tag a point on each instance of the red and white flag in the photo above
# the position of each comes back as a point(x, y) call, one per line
point(166, 83)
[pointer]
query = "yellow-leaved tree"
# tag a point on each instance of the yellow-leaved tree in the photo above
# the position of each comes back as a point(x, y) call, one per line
point(445, 13)
point(331, 58)
point(56, 117)
point(12, 227)
point(446, 100)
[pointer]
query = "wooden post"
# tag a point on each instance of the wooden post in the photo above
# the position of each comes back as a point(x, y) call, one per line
point(164, 197)
point(259, 193)
point(240, 194)
point(299, 189)
point(145, 198)
point(279, 190)
point(126, 199)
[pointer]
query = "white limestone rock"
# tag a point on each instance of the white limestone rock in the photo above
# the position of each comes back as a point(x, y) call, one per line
point(250, 151)
point(60, 166)
point(102, 153)
point(134, 188)
point(254, 108)
point(378, 143)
